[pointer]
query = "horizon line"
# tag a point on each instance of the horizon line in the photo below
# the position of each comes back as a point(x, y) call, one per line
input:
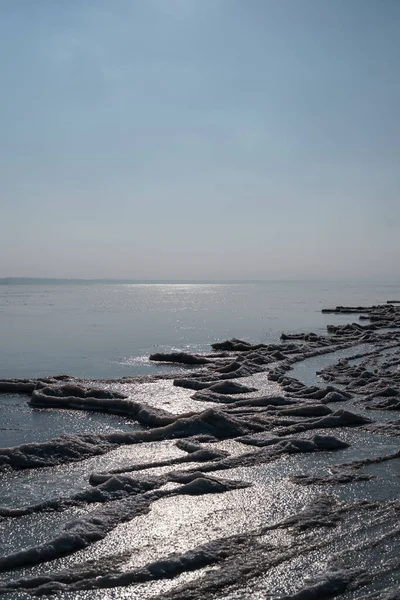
point(60, 280)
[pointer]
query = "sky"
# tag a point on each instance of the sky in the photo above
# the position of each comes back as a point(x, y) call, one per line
point(200, 139)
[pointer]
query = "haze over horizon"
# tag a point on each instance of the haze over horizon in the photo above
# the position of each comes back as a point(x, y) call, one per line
point(200, 139)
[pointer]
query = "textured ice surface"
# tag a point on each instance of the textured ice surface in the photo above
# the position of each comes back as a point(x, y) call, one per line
point(246, 481)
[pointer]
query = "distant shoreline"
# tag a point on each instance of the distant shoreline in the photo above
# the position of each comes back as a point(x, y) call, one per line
point(77, 281)
point(105, 281)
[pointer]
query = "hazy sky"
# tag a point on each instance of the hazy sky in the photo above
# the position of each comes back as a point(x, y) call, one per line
point(200, 138)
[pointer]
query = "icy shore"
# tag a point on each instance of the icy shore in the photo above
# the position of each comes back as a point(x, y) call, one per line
point(238, 480)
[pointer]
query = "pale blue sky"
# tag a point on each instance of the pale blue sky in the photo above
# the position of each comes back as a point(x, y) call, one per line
point(212, 139)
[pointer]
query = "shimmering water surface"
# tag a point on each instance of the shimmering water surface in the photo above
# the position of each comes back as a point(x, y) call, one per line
point(108, 331)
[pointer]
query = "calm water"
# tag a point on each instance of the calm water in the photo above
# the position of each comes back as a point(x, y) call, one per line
point(108, 330)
